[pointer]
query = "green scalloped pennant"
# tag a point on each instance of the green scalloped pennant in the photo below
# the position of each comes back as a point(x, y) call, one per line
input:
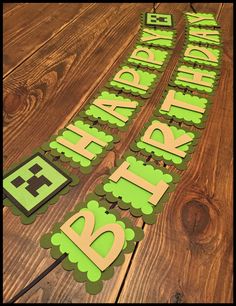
point(71, 150)
point(85, 268)
point(202, 55)
point(118, 112)
point(133, 195)
point(201, 19)
point(155, 145)
point(184, 78)
point(33, 184)
point(187, 108)
point(203, 36)
point(157, 37)
point(149, 57)
point(124, 80)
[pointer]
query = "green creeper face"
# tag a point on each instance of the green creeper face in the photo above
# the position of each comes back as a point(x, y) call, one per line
point(74, 138)
point(157, 135)
point(198, 56)
point(101, 245)
point(135, 195)
point(159, 56)
point(35, 181)
point(184, 79)
point(145, 78)
point(201, 19)
point(184, 113)
point(153, 19)
point(157, 37)
point(207, 36)
point(98, 112)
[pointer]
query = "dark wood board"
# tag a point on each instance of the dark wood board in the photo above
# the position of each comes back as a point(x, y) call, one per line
point(187, 255)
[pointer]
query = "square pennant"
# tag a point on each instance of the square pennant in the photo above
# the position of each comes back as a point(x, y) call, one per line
point(32, 183)
point(154, 19)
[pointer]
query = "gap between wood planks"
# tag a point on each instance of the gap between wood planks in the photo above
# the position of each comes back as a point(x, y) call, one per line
point(34, 282)
point(46, 41)
point(90, 93)
point(72, 116)
point(11, 84)
point(133, 254)
point(104, 78)
point(144, 224)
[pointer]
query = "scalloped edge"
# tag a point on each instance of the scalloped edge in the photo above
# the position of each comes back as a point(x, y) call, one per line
point(149, 219)
point(202, 26)
point(26, 220)
point(174, 75)
point(200, 125)
point(189, 152)
point(91, 287)
point(85, 170)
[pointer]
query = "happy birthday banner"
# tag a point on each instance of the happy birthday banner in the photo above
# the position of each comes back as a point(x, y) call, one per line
point(35, 183)
point(94, 236)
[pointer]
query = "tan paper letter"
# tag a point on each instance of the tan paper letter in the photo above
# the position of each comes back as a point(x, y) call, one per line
point(151, 56)
point(136, 78)
point(170, 143)
point(80, 146)
point(157, 190)
point(210, 56)
point(103, 104)
point(198, 18)
point(205, 34)
point(170, 100)
point(87, 237)
point(154, 36)
point(197, 77)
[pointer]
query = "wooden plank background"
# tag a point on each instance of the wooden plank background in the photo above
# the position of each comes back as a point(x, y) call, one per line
point(56, 56)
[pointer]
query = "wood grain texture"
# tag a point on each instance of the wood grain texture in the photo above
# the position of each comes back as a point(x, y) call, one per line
point(107, 32)
point(187, 255)
point(7, 7)
point(29, 27)
point(55, 82)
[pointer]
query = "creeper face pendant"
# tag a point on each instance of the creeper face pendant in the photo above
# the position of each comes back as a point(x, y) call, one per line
point(154, 19)
point(33, 183)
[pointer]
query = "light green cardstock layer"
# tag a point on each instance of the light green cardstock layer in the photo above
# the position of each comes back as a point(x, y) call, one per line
point(145, 78)
point(158, 136)
point(74, 138)
point(157, 41)
point(189, 116)
point(133, 195)
point(29, 209)
point(205, 59)
point(159, 56)
point(212, 39)
point(85, 270)
point(208, 21)
point(25, 198)
point(97, 112)
point(101, 245)
point(210, 79)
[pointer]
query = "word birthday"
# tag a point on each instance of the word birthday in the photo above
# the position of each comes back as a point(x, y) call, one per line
point(94, 236)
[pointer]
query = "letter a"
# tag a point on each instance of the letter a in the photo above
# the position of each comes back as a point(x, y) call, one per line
point(104, 104)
